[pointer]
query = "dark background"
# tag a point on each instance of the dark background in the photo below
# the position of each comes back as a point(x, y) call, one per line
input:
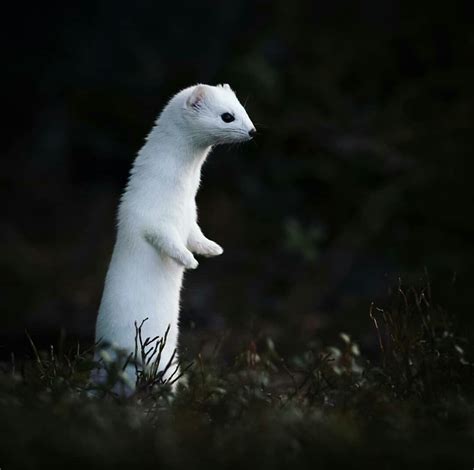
point(361, 172)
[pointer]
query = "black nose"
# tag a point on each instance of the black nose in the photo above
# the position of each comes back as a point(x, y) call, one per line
point(252, 132)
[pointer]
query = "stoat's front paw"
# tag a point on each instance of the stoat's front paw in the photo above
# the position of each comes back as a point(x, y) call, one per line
point(187, 260)
point(193, 264)
point(210, 248)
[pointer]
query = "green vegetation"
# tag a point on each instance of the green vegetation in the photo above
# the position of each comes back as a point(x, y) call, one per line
point(409, 403)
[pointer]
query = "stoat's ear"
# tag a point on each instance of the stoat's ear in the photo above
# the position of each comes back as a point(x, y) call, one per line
point(196, 97)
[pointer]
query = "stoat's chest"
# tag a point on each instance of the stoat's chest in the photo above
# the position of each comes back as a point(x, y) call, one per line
point(175, 204)
point(162, 196)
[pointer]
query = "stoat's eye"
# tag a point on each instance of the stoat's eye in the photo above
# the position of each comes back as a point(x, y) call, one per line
point(227, 117)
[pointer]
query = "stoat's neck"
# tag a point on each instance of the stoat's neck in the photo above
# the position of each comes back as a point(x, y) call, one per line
point(170, 154)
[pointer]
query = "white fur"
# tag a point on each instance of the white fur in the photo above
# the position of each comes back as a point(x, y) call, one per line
point(157, 221)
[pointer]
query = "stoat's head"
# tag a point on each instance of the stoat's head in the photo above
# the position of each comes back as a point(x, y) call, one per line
point(214, 115)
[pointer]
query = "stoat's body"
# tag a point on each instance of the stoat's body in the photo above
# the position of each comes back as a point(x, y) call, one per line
point(157, 222)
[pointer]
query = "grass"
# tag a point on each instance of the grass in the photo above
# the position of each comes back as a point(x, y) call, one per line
point(410, 403)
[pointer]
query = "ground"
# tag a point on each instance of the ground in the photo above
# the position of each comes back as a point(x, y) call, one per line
point(410, 404)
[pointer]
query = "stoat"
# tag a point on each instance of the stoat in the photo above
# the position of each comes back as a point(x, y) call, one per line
point(158, 233)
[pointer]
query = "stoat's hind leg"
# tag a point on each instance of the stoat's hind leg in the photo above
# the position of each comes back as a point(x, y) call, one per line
point(113, 378)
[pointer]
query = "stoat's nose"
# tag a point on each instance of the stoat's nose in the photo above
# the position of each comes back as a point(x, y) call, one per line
point(252, 132)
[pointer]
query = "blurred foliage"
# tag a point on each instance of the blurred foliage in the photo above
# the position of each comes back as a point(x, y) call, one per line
point(410, 405)
point(303, 241)
point(360, 173)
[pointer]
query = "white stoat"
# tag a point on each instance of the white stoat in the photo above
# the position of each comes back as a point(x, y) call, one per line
point(157, 221)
